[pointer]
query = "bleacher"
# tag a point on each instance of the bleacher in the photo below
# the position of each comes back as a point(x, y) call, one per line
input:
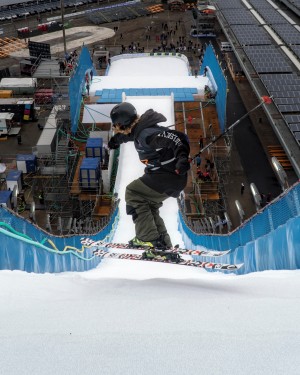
point(17, 9)
point(122, 12)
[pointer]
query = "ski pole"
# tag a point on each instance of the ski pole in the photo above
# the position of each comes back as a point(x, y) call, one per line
point(265, 100)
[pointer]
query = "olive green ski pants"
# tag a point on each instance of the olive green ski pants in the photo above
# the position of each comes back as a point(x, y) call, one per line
point(143, 203)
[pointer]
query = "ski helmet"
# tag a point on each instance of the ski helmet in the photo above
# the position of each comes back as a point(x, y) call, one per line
point(123, 115)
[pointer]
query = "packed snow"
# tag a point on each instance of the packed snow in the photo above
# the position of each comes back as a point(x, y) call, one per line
point(129, 317)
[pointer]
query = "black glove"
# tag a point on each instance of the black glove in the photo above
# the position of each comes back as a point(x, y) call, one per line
point(113, 143)
point(182, 165)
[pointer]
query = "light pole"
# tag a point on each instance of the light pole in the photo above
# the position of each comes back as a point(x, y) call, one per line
point(62, 9)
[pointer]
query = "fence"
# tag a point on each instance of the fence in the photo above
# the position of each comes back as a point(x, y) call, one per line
point(269, 240)
point(27, 248)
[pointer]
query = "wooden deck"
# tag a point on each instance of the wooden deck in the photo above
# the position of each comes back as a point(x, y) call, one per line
point(281, 156)
point(189, 119)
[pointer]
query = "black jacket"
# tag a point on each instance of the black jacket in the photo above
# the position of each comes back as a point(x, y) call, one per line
point(159, 148)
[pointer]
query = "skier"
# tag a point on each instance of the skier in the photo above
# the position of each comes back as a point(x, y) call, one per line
point(165, 154)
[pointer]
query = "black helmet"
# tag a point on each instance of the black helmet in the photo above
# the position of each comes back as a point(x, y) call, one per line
point(123, 114)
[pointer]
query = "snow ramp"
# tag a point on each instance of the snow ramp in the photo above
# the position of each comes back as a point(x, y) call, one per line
point(270, 240)
point(276, 245)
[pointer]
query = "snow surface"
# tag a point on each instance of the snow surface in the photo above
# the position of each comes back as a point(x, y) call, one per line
point(131, 71)
point(130, 317)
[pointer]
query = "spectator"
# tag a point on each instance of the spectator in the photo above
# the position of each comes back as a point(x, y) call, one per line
point(87, 86)
point(198, 161)
point(201, 142)
point(200, 175)
point(206, 176)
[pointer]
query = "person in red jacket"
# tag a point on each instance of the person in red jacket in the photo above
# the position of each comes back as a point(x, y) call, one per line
point(165, 154)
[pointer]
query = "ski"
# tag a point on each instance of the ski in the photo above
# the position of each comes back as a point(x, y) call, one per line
point(125, 246)
point(163, 259)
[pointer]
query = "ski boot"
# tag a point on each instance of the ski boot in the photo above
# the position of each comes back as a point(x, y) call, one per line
point(136, 243)
point(155, 244)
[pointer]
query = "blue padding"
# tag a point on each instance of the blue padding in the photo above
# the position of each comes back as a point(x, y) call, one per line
point(98, 92)
point(180, 92)
point(190, 98)
point(24, 247)
point(77, 85)
point(209, 59)
point(270, 240)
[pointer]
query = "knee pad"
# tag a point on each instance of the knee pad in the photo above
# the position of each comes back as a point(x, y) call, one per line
point(131, 211)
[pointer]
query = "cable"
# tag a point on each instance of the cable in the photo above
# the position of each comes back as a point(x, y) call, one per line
point(265, 100)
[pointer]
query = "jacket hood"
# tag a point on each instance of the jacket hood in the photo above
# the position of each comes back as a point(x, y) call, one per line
point(148, 119)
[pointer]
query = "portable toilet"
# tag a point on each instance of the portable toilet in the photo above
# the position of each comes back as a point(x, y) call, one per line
point(5, 198)
point(26, 163)
point(93, 148)
point(90, 173)
point(14, 178)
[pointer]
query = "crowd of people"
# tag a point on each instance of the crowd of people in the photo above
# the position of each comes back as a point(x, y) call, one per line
point(69, 63)
point(204, 175)
point(166, 39)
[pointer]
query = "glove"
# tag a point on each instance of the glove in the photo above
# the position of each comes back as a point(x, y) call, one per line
point(182, 165)
point(113, 143)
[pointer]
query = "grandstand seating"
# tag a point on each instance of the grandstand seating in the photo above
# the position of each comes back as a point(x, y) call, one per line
point(18, 10)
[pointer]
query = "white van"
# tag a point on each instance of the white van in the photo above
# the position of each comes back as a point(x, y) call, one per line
point(6, 120)
point(226, 47)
